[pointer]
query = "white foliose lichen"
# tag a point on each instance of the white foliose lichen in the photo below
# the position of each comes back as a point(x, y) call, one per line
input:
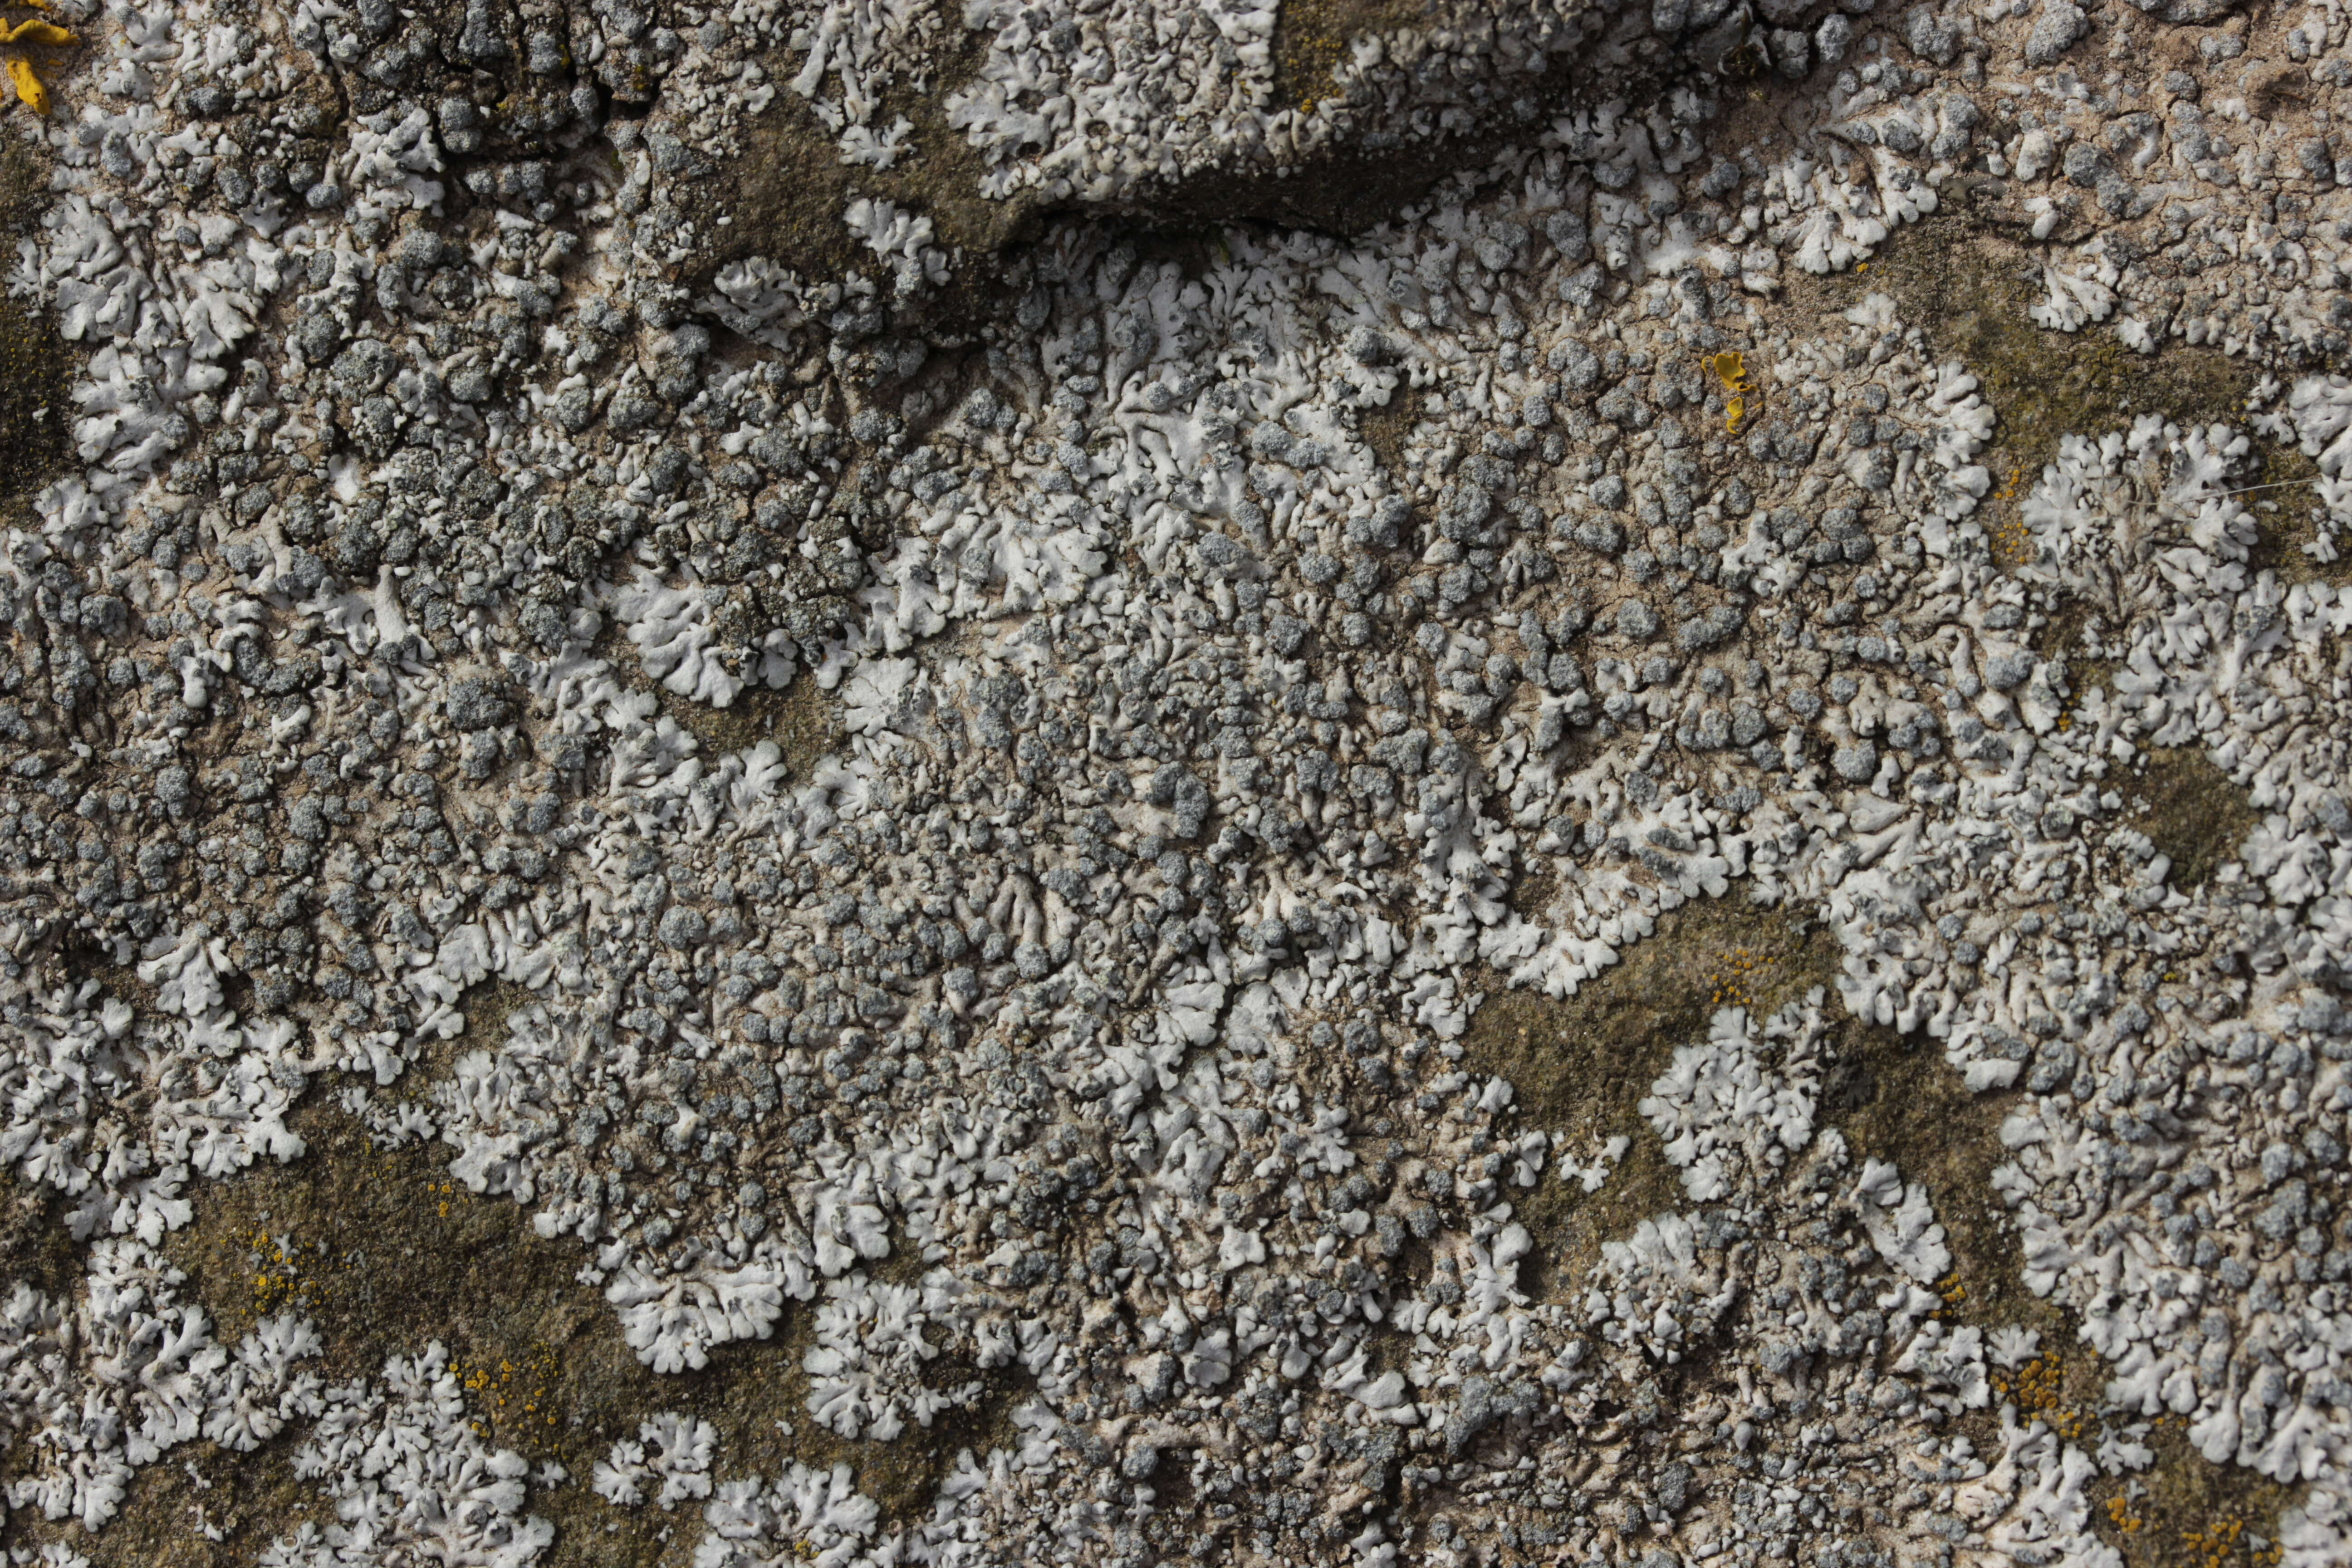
point(949, 790)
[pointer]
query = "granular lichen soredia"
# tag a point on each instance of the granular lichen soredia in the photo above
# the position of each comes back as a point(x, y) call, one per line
point(1358, 783)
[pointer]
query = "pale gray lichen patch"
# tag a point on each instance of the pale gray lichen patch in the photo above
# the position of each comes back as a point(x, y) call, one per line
point(1153, 782)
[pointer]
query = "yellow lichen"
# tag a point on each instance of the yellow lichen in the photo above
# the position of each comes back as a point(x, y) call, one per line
point(32, 32)
point(507, 1397)
point(2038, 1390)
point(2212, 1547)
point(2011, 541)
point(286, 1277)
point(1730, 987)
point(1731, 367)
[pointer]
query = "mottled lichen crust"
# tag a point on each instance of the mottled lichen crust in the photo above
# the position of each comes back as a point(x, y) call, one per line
point(1411, 783)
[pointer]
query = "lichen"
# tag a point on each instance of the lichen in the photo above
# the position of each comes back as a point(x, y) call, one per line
point(1311, 38)
point(1350, 784)
point(1966, 278)
point(1578, 1066)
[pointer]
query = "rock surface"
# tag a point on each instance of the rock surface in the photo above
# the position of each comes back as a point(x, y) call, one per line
point(1319, 782)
